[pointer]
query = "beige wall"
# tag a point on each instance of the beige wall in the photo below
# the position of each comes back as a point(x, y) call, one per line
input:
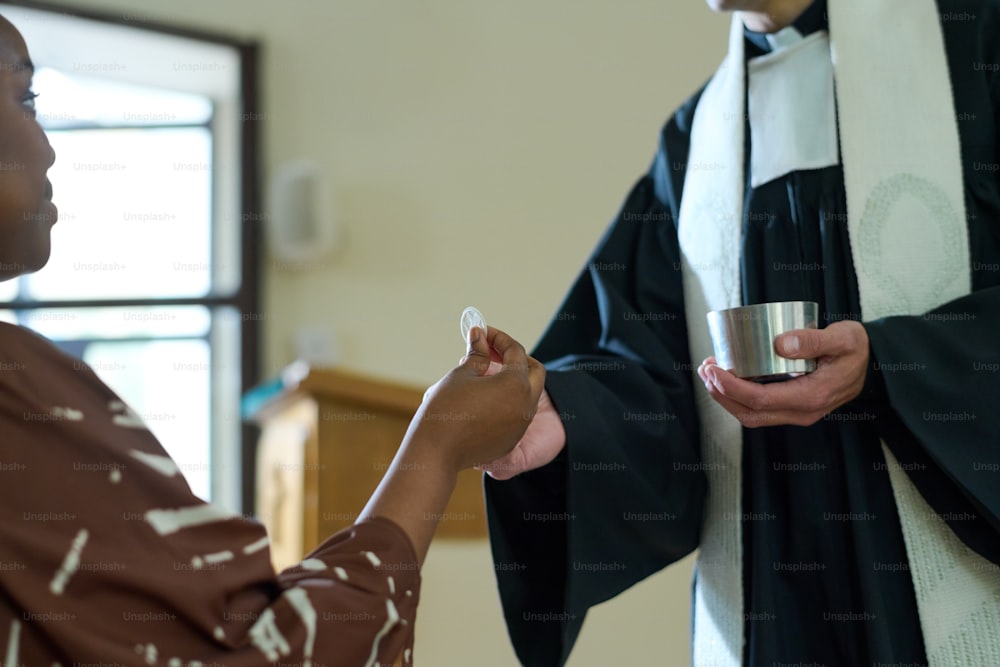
point(476, 150)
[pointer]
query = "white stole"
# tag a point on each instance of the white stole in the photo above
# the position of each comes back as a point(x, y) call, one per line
point(909, 243)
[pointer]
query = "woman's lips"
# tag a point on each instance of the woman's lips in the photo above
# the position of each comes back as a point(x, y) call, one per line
point(48, 190)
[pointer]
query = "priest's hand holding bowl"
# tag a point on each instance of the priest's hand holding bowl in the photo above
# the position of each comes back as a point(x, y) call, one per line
point(842, 358)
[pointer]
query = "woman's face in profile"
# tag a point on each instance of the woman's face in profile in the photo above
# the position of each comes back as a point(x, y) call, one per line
point(26, 210)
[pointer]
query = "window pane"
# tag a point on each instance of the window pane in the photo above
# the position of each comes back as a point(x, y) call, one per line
point(167, 383)
point(227, 380)
point(132, 322)
point(135, 215)
point(67, 100)
point(160, 362)
point(8, 289)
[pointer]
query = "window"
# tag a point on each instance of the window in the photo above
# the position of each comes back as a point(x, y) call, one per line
point(152, 281)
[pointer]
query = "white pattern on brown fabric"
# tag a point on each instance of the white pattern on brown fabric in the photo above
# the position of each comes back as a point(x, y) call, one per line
point(182, 583)
point(70, 564)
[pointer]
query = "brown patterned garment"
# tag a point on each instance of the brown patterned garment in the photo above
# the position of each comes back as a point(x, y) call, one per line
point(107, 558)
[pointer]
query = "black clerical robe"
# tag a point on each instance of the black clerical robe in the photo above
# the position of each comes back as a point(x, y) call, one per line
point(825, 573)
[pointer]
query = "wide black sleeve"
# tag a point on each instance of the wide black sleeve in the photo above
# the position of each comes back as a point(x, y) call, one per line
point(626, 496)
point(942, 380)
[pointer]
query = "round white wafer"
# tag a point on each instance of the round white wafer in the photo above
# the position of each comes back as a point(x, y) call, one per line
point(471, 317)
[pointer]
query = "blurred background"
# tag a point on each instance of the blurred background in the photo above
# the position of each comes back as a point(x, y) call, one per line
point(451, 153)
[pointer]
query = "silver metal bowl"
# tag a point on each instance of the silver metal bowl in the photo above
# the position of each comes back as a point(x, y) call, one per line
point(743, 339)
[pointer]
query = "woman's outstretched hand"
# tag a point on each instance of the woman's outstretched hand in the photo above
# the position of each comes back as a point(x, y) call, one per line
point(472, 414)
point(480, 410)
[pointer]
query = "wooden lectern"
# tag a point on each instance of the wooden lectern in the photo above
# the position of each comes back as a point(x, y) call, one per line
point(325, 443)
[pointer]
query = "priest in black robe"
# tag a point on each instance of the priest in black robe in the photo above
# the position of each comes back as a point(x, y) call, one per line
point(825, 569)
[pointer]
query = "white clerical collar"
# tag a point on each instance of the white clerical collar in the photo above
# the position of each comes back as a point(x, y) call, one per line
point(791, 106)
point(783, 38)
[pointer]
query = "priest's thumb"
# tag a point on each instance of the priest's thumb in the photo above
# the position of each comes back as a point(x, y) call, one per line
point(800, 344)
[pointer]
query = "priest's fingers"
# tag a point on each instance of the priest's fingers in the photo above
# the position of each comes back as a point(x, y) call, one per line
point(710, 361)
point(747, 417)
point(750, 418)
point(514, 463)
point(806, 394)
point(801, 401)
